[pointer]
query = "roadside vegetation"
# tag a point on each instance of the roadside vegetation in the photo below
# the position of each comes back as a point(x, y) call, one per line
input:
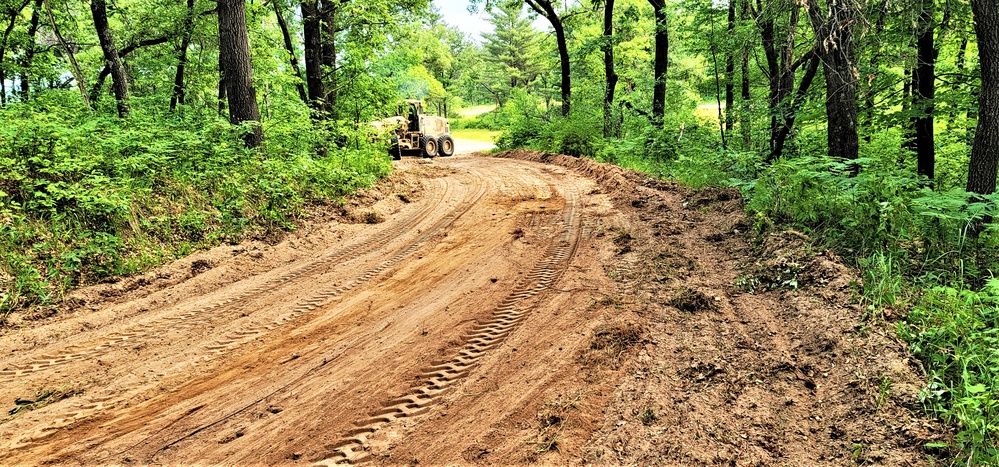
point(869, 125)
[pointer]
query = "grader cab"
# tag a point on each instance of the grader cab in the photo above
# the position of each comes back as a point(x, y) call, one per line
point(417, 132)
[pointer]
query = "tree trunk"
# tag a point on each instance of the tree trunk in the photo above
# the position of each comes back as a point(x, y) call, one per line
point(867, 112)
point(29, 51)
point(745, 119)
point(784, 101)
point(768, 38)
point(923, 85)
point(547, 10)
point(119, 77)
point(718, 98)
point(328, 15)
point(730, 70)
point(3, 51)
point(222, 94)
point(234, 53)
point(74, 66)
point(95, 90)
point(835, 47)
point(178, 96)
point(661, 64)
point(290, 47)
point(312, 29)
point(787, 123)
point(985, 150)
point(610, 123)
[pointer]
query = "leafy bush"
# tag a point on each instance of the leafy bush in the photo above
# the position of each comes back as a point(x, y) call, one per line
point(83, 197)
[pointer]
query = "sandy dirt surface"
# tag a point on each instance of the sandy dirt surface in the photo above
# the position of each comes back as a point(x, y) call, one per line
point(526, 308)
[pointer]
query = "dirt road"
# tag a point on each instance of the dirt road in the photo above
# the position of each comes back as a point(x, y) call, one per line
point(480, 310)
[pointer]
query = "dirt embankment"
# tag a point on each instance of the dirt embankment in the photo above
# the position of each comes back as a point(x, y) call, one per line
point(522, 308)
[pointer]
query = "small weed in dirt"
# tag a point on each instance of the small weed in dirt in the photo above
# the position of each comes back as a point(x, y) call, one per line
point(552, 421)
point(884, 390)
point(518, 233)
point(647, 416)
point(43, 397)
point(371, 217)
point(691, 301)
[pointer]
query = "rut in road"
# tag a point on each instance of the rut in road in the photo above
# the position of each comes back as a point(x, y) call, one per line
point(240, 305)
point(442, 377)
point(271, 335)
point(197, 317)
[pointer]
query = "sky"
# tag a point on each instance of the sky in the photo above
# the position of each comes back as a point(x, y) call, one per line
point(456, 13)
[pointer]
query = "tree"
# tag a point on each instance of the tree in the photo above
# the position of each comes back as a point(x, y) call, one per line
point(234, 58)
point(924, 88)
point(982, 169)
point(179, 94)
point(610, 76)
point(312, 33)
point(512, 48)
point(730, 70)
point(13, 13)
point(119, 77)
point(834, 45)
point(785, 99)
point(77, 74)
point(546, 9)
point(661, 65)
point(290, 48)
point(27, 57)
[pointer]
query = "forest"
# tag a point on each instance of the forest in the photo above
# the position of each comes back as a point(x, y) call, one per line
point(133, 133)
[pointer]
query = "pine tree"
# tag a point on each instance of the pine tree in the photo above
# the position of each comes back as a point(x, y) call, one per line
point(512, 48)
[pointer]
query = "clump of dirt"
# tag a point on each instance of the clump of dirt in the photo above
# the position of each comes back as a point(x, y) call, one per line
point(789, 260)
point(610, 343)
point(692, 301)
point(366, 217)
point(623, 242)
point(198, 267)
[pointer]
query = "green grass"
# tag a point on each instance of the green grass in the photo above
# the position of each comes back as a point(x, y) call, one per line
point(477, 134)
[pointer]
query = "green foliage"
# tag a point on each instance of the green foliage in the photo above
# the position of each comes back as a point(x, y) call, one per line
point(954, 333)
point(83, 197)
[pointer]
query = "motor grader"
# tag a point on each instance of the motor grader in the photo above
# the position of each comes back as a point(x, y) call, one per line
point(417, 132)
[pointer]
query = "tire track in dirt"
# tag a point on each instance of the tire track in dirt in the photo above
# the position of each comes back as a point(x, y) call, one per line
point(437, 380)
point(326, 294)
point(233, 305)
point(519, 191)
point(89, 406)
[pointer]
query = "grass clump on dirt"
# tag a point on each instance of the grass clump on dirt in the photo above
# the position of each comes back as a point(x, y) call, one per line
point(83, 197)
point(42, 398)
point(553, 419)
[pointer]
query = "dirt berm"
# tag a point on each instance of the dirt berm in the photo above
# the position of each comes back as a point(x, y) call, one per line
point(517, 308)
